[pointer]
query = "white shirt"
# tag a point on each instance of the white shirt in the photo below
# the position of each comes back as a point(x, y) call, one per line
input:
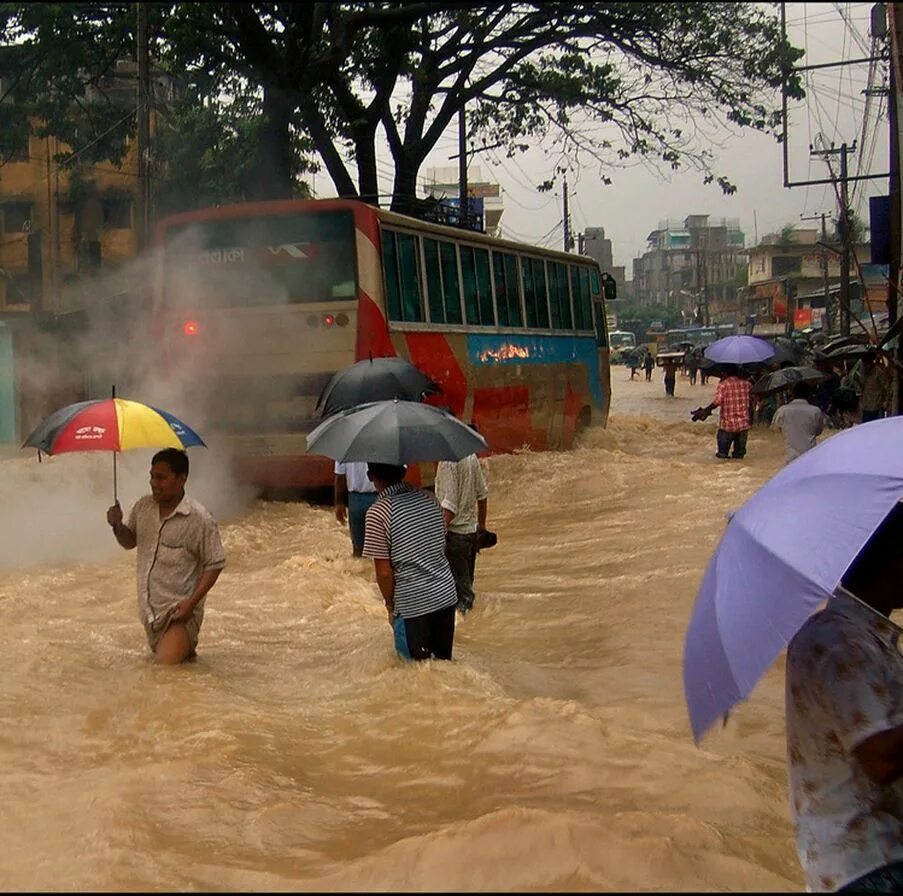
point(801, 423)
point(844, 684)
point(355, 474)
point(459, 485)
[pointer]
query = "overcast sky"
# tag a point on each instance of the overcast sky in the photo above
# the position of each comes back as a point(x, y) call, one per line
point(638, 198)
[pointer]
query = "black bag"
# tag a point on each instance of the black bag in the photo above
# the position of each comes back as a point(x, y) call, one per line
point(486, 539)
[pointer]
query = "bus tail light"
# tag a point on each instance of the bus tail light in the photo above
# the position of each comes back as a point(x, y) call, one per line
point(190, 328)
point(328, 320)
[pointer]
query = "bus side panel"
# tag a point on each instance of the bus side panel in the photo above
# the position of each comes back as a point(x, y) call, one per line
point(372, 332)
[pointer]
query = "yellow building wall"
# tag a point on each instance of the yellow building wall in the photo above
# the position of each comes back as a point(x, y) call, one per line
point(65, 223)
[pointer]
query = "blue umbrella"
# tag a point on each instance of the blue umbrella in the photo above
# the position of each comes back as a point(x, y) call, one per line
point(781, 556)
point(739, 350)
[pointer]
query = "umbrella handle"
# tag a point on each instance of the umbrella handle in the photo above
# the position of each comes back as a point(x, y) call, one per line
point(115, 496)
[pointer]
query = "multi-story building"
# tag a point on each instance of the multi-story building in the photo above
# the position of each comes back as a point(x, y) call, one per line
point(793, 264)
point(694, 266)
point(594, 243)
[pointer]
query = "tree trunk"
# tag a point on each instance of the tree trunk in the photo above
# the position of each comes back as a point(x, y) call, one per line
point(365, 156)
point(404, 190)
point(272, 175)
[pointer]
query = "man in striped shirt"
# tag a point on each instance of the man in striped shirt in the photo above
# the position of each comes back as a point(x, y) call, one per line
point(405, 536)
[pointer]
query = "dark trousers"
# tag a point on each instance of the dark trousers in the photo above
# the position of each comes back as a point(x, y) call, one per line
point(886, 879)
point(726, 439)
point(461, 551)
point(425, 637)
point(669, 384)
point(868, 416)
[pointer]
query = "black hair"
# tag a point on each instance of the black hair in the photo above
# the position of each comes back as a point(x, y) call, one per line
point(388, 473)
point(883, 543)
point(175, 457)
point(801, 390)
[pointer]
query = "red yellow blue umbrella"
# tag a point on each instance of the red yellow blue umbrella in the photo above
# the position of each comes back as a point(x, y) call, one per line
point(110, 424)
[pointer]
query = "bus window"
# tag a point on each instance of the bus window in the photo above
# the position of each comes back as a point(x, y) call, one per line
point(559, 297)
point(535, 298)
point(450, 286)
point(433, 281)
point(484, 285)
point(599, 315)
point(595, 282)
point(476, 285)
point(402, 267)
point(504, 270)
point(583, 314)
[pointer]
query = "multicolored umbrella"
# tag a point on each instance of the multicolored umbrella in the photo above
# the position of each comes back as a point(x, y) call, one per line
point(110, 424)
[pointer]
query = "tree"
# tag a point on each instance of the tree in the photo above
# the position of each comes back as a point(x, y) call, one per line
point(609, 81)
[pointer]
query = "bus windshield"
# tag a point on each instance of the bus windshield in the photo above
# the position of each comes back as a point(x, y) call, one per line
point(621, 339)
point(267, 260)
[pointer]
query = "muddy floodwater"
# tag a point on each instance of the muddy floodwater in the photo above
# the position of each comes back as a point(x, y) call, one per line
point(298, 753)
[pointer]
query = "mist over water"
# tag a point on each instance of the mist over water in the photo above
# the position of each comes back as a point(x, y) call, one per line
point(298, 753)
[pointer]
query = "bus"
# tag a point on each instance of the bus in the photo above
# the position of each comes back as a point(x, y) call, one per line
point(620, 342)
point(257, 305)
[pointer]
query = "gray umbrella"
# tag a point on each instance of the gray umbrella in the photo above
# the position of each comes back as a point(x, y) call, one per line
point(787, 377)
point(376, 379)
point(394, 432)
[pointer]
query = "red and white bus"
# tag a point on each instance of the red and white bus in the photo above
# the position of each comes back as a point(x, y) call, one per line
point(257, 305)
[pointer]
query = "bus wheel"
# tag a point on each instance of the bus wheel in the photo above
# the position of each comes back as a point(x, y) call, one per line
point(583, 421)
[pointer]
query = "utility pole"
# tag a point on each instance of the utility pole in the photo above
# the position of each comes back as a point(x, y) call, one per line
point(142, 212)
point(827, 319)
point(843, 226)
point(463, 202)
point(895, 21)
point(581, 245)
point(568, 245)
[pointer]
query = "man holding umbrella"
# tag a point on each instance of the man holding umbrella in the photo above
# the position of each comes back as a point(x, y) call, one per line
point(845, 727)
point(405, 536)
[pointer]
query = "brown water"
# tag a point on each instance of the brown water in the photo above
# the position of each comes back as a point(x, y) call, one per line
point(299, 753)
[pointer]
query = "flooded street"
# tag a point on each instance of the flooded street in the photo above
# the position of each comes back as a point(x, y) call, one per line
point(298, 753)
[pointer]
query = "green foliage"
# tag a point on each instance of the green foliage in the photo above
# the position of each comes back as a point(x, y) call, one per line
point(787, 233)
point(600, 82)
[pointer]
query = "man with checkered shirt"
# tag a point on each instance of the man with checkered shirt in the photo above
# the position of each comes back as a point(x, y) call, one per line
point(732, 398)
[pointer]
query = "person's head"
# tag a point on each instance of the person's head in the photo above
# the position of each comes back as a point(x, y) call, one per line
point(874, 575)
point(384, 475)
point(168, 474)
point(801, 390)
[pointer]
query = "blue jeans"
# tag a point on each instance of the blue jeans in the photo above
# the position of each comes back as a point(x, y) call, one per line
point(737, 439)
point(358, 504)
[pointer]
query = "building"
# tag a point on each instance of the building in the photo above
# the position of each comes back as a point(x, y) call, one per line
point(593, 242)
point(793, 264)
point(443, 184)
point(694, 266)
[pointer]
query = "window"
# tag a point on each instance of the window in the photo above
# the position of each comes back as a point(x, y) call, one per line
point(434, 281)
point(785, 264)
point(117, 214)
point(402, 266)
point(507, 296)
point(450, 286)
point(17, 217)
point(535, 298)
point(583, 314)
point(559, 296)
point(477, 287)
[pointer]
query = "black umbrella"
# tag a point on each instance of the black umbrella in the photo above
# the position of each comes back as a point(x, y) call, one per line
point(376, 379)
point(787, 377)
point(394, 432)
point(786, 350)
point(846, 352)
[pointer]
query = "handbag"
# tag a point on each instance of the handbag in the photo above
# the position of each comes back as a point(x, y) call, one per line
point(486, 539)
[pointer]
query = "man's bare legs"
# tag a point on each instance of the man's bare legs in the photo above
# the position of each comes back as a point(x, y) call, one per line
point(174, 647)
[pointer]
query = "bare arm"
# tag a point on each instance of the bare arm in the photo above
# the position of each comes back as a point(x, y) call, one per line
point(385, 578)
point(449, 516)
point(341, 498)
point(881, 756)
point(482, 506)
point(184, 608)
point(121, 532)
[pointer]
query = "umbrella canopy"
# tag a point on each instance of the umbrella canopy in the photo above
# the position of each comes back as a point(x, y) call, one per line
point(376, 379)
point(787, 377)
point(394, 432)
point(739, 350)
point(786, 350)
point(110, 424)
point(781, 556)
point(846, 352)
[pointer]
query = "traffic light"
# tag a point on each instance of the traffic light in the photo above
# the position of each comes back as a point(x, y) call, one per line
point(609, 287)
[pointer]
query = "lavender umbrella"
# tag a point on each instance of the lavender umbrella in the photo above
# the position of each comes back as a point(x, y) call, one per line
point(739, 350)
point(781, 556)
